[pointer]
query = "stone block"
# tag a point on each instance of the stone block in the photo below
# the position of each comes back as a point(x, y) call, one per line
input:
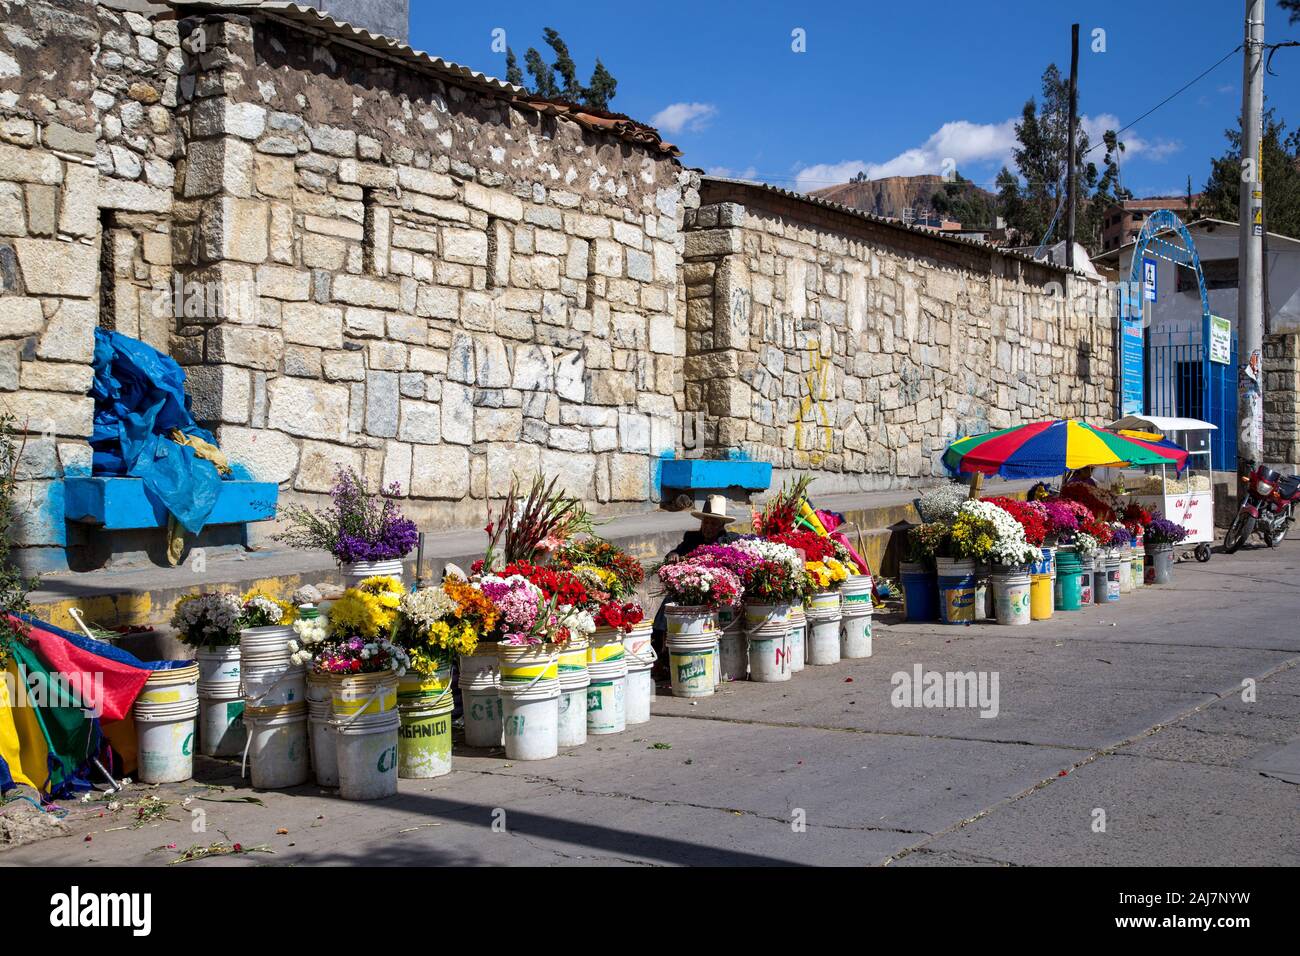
point(51, 267)
point(307, 323)
point(420, 422)
point(69, 335)
point(440, 471)
point(308, 409)
point(220, 393)
point(320, 463)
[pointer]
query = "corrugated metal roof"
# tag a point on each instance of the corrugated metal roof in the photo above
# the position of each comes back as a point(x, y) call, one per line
point(311, 19)
point(973, 244)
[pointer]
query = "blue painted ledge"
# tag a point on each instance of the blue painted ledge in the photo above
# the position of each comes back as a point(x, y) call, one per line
point(688, 474)
point(121, 504)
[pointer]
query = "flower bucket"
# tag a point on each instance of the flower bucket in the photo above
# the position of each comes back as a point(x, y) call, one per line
point(798, 639)
point(957, 591)
point(368, 754)
point(856, 589)
point(830, 600)
point(481, 698)
point(771, 618)
point(265, 645)
point(323, 738)
point(1159, 564)
point(413, 688)
point(607, 698)
point(691, 662)
point(424, 738)
point(177, 685)
point(1126, 571)
point(1070, 573)
point(1041, 597)
point(1047, 563)
point(530, 719)
point(823, 647)
point(984, 606)
point(352, 694)
point(855, 632)
point(165, 740)
point(218, 668)
point(571, 716)
point(1011, 595)
point(605, 644)
point(640, 657)
point(637, 645)
point(769, 659)
point(1114, 584)
point(358, 571)
point(733, 653)
point(920, 592)
point(1138, 568)
point(278, 747)
point(687, 621)
point(528, 663)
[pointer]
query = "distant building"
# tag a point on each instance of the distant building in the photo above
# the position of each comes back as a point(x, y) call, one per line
point(1124, 220)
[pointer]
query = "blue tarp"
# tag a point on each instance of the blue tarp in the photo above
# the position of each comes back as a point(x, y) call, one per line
point(139, 399)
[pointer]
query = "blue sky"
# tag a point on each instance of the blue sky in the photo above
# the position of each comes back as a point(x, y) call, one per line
point(887, 87)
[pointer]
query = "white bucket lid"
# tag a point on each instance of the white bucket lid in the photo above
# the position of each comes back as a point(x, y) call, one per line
point(608, 669)
point(688, 643)
point(542, 690)
point(362, 724)
point(165, 713)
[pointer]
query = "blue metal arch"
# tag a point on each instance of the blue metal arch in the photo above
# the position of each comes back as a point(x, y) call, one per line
point(1164, 220)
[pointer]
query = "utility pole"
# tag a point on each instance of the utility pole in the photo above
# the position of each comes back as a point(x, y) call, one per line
point(1250, 258)
point(1070, 184)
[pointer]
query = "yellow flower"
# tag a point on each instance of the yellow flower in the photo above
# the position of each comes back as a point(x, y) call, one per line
point(358, 612)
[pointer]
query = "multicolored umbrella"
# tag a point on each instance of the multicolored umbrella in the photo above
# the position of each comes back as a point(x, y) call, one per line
point(1045, 449)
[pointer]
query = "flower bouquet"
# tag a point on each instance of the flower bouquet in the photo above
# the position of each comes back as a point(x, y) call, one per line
point(357, 528)
point(691, 584)
point(781, 513)
point(358, 636)
point(531, 527)
point(208, 620)
point(941, 503)
point(926, 541)
point(1161, 533)
point(259, 609)
point(437, 621)
point(619, 572)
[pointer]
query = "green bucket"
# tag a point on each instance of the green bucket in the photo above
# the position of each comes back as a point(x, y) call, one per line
point(1069, 580)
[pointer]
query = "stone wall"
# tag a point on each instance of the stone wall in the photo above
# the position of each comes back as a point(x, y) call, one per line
point(1281, 388)
point(822, 340)
point(448, 289)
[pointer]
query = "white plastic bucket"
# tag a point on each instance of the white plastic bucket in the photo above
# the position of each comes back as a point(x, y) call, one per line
point(1126, 571)
point(856, 591)
point(483, 715)
point(221, 725)
point(165, 740)
point(771, 616)
point(367, 749)
point(733, 656)
point(277, 745)
point(176, 686)
point(798, 640)
point(605, 644)
point(639, 693)
point(273, 684)
point(769, 658)
point(217, 665)
point(824, 602)
point(607, 697)
point(690, 664)
point(823, 639)
point(266, 644)
point(424, 739)
point(1011, 595)
point(358, 571)
point(571, 719)
point(530, 718)
point(689, 622)
point(324, 743)
point(637, 643)
point(371, 694)
point(855, 633)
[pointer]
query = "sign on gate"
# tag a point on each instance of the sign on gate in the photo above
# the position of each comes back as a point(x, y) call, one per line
point(1132, 344)
point(1149, 283)
point(1220, 340)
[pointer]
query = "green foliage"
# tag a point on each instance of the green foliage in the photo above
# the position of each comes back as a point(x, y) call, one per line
point(963, 201)
point(559, 80)
point(1293, 6)
point(1281, 152)
point(14, 585)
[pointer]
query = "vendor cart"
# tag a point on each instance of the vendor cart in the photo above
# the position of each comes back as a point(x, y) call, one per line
point(1187, 498)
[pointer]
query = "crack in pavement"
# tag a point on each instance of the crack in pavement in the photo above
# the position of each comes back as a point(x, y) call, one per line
point(734, 811)
point(1091, 758)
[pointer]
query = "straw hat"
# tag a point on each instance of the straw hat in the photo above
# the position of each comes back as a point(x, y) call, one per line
point(715, 509)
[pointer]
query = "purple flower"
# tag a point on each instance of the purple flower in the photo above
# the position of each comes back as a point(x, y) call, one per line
point(1164, 531)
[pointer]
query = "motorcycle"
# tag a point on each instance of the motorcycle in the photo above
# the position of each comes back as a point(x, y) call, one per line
point(1268, 505)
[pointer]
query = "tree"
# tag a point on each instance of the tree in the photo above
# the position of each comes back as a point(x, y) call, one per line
point(514, 75)
point(1281, 151)
point(1293, 6)
point(960, 200)
point(559, 80)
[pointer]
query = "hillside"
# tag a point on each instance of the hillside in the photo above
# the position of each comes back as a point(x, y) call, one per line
point(893, 194)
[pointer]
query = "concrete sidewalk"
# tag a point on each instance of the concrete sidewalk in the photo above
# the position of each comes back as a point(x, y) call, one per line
point(1135, 711)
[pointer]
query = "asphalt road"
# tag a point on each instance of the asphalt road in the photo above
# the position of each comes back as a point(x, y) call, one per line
point(1121, 737)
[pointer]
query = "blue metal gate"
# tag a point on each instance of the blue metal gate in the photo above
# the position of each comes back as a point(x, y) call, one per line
point(1183, 383)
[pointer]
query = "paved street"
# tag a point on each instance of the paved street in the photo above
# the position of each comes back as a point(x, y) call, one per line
point(1136, 711)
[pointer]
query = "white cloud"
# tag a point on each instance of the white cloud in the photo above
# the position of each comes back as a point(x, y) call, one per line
point(727, 172)
point(958, 142)
point(961, 142)
point(684, 116)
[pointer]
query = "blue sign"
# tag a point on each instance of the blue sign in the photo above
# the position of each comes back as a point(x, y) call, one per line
point(1149, 275)
point(1132, 345)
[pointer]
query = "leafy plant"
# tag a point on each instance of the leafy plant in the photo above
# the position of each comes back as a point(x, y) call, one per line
point(14, 585)
point(530, 527)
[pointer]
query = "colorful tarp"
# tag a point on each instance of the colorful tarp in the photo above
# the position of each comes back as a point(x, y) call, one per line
point(47, 736)
point(1046, 449)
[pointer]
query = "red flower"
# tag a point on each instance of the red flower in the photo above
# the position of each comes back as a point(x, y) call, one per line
point(623, 617)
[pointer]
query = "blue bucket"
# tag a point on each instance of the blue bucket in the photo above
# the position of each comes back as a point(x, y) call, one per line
point(920, 593)
point(1046, 564)
point(957, 593)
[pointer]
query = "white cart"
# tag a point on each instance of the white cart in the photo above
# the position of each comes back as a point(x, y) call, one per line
point(1186, 499)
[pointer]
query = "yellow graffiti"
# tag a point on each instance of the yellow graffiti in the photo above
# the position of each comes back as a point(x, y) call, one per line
point(813, 409)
